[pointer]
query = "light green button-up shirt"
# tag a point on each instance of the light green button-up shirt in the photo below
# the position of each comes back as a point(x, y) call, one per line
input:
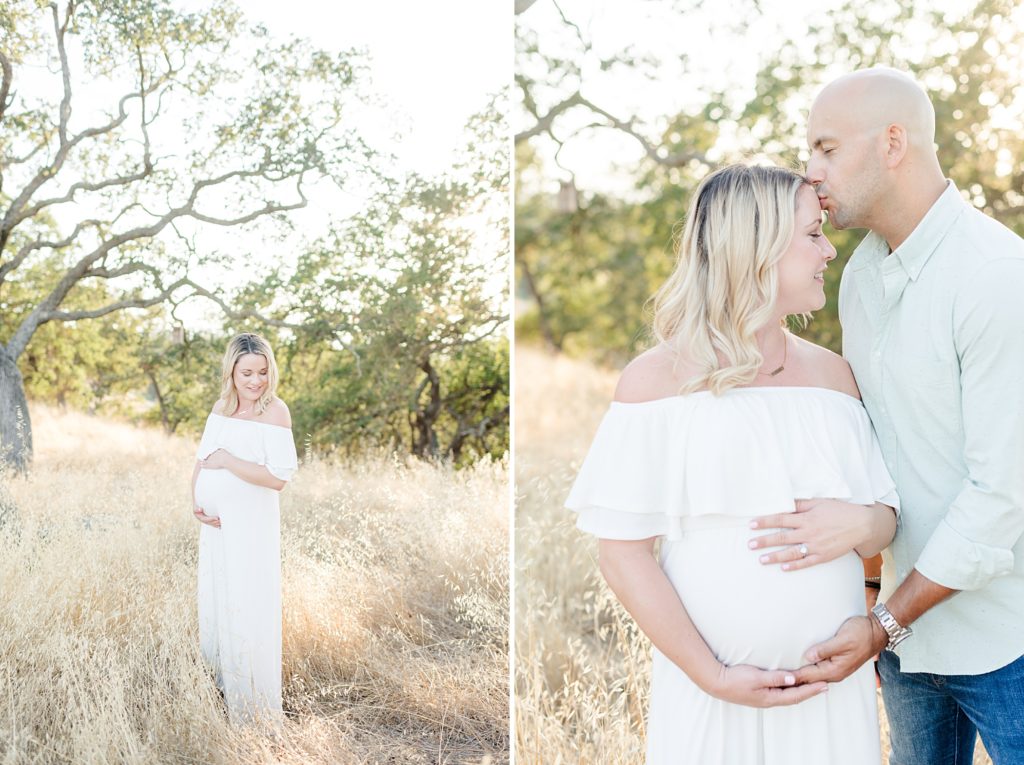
point(934, 333)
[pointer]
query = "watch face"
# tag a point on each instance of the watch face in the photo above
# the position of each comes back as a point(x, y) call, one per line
point(897, 633)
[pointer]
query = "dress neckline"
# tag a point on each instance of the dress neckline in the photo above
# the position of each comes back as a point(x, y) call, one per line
point(240, 419)
point(744, 389)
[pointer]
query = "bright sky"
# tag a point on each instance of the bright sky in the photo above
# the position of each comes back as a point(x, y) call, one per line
point(699, 50)
point(435, 62)
point(431, 74)
point(432, 64)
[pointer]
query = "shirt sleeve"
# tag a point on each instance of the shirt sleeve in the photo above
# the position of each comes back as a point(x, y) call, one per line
point(279, 449)
point(208, 443)
point(973, 542)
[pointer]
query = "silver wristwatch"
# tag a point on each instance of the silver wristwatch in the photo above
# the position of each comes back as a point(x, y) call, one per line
point(896, 632)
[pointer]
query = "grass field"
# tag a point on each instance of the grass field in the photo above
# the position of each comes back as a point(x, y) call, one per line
point(395, 594)
point(581, 665)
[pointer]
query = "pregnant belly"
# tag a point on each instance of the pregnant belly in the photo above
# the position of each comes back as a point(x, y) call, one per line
point(218, 491)
point(750, 613)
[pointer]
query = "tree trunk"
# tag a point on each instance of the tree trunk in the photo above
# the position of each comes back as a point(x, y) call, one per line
point(160, 400)
point(15, 426)
point(480, 430)
point(424, 418)
point(542, 314)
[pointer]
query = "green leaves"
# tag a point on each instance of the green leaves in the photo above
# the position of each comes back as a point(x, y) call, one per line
point(584, 273)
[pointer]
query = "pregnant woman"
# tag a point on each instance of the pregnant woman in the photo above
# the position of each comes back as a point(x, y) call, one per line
point(729, 418)
point(246, 456)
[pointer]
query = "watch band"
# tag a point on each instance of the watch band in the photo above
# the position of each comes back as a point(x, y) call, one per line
point(897, 633)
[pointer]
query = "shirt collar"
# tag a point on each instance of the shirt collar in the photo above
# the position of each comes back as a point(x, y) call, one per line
point(932, 229)
point(919, 246)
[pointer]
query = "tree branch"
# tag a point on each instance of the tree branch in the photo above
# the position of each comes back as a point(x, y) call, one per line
point(139, 302)
point(65, 69)
point(544, 123)
point(5, 84)
point(122, 180)
point(43, 143)
point(668, 160)
point(239, 315)
point(47, 308)
point(15, 213)
point(576, 29)
point(128, 268)
point(30, 247)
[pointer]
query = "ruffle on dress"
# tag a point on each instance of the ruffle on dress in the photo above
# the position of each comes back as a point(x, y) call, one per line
point(278, 447)
point(750, 451)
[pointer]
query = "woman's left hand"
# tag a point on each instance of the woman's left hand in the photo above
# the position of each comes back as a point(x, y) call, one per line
point(216, 461)
point(818, 531)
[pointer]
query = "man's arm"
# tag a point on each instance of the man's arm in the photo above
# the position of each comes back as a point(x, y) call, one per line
point(862, 637)
point(973, 542)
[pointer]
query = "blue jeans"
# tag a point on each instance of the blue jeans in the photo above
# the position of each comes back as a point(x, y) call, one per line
point(934, 719)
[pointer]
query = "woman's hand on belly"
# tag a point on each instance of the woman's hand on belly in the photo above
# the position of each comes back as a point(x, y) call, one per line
point(202, 517)
point(754, 687)
point(217, 460)
point(820, 530)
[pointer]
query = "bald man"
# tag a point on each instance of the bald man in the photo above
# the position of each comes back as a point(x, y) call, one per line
point(932, 309)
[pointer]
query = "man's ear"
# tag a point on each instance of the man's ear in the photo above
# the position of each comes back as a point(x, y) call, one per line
point(896, 145)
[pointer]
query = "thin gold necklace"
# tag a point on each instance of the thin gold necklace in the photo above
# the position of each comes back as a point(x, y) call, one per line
point(785, 354)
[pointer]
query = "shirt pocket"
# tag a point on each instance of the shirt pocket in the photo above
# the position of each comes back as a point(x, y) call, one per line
point(931, 394)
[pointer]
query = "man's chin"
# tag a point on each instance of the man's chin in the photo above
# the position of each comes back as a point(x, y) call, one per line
point(839, 224)
point(834, 220)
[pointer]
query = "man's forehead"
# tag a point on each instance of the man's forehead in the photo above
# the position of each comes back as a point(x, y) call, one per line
point(827, 109)
point(821, 127)
point(830, 119)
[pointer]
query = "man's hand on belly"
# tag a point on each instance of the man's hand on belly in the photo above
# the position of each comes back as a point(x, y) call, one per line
point(858, 639)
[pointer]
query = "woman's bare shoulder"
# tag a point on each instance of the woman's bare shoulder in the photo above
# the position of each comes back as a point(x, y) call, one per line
point(277, 413)
point(655, 373)
point(218, 407)
point(827, 369)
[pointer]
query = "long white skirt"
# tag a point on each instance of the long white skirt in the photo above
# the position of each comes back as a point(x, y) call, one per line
point(240, 594)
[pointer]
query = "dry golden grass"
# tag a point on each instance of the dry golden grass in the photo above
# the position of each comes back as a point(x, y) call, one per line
point(581, 665)
point(395, 594)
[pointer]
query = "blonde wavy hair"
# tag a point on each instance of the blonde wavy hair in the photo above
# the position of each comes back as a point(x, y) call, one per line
point(239, 346)
point(740, 222)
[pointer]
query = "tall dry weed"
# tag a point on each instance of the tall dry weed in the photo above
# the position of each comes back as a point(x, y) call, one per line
point(581, 666)
point(395, 599)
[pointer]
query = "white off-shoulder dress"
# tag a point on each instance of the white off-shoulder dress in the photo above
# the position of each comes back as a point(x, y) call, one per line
point(240, 566)
point(694, 469)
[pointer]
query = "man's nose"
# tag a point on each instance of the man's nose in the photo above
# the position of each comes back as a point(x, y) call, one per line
point(814, 172)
